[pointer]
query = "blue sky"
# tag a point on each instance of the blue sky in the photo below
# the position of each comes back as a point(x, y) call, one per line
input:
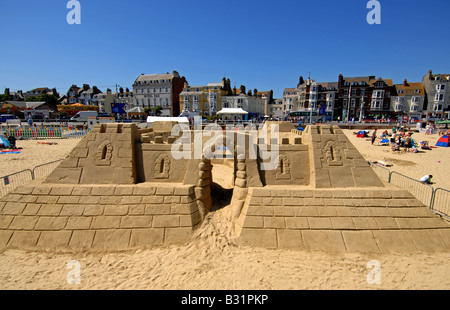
point(261, 44)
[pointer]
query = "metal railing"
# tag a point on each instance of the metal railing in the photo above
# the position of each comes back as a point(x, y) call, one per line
point(441, 201)
point(437, 199)
point(10, 182)
point(423, 192)
point(41, 171)
point(44, 133)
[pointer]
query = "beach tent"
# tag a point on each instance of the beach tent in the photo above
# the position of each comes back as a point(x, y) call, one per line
point(443, 141)
point(4, 141)
point(384, 141)
point(361, 134)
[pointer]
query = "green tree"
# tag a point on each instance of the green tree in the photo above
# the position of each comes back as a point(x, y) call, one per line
point(158, 110)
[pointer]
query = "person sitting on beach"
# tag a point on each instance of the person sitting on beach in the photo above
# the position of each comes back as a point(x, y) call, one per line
point(426, 179)
point(408, 142)
point(12, 142)
point(395, 146)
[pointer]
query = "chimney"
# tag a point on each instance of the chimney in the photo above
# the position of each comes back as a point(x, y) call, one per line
point(405, 82)
point(234, 91)
point(242, 89)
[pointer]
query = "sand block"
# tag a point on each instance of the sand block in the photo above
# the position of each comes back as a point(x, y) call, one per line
point(112, 239)
point(178, 235)
point(360, 241)
point(391, 241)
point(290, 239)
point(54, 239)
point(324, 240)
point(266, 238)
point(428, 240)
point(5, 235)
point(82, 239)
point(24, 239)
point(146, 237)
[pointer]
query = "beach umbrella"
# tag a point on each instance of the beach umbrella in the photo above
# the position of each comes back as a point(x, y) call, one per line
point(443, 141)
point(4, 141)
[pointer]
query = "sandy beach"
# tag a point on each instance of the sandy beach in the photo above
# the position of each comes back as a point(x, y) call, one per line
point(214, 261)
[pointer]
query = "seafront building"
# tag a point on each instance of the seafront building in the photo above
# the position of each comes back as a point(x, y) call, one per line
point(159, 90)
point(437, 95)
point(409, 100)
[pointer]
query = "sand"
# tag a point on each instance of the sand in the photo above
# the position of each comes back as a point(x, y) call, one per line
point(214, 261)
point(434, 161)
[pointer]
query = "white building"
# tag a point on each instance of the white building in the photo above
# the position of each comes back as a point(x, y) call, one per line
point(409, 99)
point(151, 91)
point(253, 105)
point(438, 94)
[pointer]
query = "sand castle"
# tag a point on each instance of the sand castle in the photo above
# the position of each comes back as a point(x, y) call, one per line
point(122, 187)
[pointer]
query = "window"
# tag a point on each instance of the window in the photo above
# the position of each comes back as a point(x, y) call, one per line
point(440, 87)
point(398, 107)
point(345, 92)
point(417, 91)
point(355, 83)
point(415, 99)
point(400, 91)
point(414, 108)
point(353, 103)
point(347, 84)
point(353, 92)
point(439, 97)
point(438, 107)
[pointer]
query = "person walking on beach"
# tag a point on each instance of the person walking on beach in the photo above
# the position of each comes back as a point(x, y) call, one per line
point(374, 136)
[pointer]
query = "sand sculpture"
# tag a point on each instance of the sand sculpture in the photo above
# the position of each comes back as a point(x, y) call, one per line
point(121, 187)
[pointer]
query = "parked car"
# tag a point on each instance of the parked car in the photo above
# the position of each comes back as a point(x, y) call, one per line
point(64, 118)
point(83, 116)
point(5, 117)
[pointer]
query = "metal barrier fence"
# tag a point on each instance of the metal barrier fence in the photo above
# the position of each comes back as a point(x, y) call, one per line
point(423, 192)
point(44, 133)
point(441, 201)
point(12, 181)
point(383, 172)
point(437, 199)
point(44, 170)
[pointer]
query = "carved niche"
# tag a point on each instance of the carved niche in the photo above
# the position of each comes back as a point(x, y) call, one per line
point(333, 154)
point(104, 154)
point(284, 168)
point(162, 167)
